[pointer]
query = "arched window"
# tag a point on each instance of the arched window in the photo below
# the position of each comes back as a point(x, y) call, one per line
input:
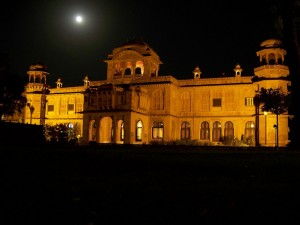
point(272, 59)
point(204, 131)
point(158, 130)
point(127, 71)
point(138, 71)
point(118, 70)
point(185, 131)
point(92, 131)
point(139, 130)
point(139, 68)
point(122, 132)
point(228, 130)
point(217, 131)
point(249, 129)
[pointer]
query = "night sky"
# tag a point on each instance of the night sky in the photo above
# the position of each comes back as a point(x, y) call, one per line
point(214, 35)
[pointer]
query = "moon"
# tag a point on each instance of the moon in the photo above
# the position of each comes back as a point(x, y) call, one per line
point(78, 19)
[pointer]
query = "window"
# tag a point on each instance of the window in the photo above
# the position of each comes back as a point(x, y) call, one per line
point(158, 130)
point(139, 129)
point(118, 70)
point(138, 71)
point(122, 132)
point(217, 131)
point(185, 130)
point(228, 130)
point(92, 131)
point(217, 102)
point(249, 129)
point(50, 108)
point(204, 131)
point(70, 107)
point(139, 68)
point(127, 71)
point(248, 101)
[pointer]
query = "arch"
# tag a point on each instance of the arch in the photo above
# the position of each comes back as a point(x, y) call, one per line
point(271, 59)
point(217, 131)
point(139, 67)
point(127, 71)
point(138, 71)
point(204, 131)
point(228, 130)
point(92, 130)
point(106, 130)
point(118, 69)
point(120, 132)
point(139, 131)
point(185, 131)
point(249, 129)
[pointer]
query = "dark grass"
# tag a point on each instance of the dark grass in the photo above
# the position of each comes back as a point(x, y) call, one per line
point(150, 185)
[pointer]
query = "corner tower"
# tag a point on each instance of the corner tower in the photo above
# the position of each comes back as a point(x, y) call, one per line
point(36, 90)
point(272, 72)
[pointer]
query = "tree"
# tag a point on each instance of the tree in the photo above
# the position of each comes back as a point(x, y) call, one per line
point(61, 133)
point(12, 88)
point(274, 101)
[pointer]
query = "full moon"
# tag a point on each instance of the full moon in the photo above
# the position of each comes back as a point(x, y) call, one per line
point(78, 19)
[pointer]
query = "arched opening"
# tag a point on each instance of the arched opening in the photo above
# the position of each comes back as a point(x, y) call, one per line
point(139, 130)
point(250, 132)
point(106, 130)
point(204, 131)
point(138, 71)
point(127, 71)
point(217, 131)
point(228, 130)
point(92, 131)
point(185, 131)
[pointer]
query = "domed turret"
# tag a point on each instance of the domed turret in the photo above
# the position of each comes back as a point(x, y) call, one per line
point(132, 60)
point(271, 58)
point(37, 76)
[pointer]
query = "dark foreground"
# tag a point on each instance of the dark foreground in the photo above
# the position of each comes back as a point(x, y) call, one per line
point(141, 185)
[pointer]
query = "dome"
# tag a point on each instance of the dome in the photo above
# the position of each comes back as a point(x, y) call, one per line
point(271, 43)
point(137, 43)
point(38, 66)
point(238, 66)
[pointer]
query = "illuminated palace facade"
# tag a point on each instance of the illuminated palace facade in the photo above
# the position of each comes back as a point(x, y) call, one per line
point(135, 105)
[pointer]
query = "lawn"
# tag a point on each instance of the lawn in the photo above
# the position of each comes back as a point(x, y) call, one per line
point(150, 185)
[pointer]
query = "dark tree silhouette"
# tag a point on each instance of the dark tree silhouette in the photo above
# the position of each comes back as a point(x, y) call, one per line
point(274, 101)
point(61, 133)
point(11, 89)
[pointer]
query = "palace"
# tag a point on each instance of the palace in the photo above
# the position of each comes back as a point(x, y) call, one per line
point(136, 105)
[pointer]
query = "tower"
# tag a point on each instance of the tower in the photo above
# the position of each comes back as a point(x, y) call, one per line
point(272, 74)
point(36, 91)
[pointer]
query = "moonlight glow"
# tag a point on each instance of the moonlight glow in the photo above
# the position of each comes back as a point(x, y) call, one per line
point(78, 19)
